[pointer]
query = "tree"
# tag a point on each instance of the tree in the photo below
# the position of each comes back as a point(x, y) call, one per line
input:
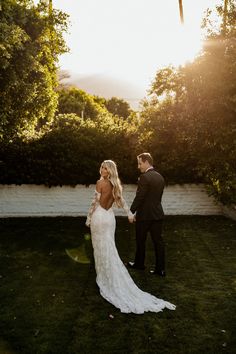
point(30, 43)
point(219, 86)
point(193, 110)
point(119, 107)
point(74, 100)
point(181, 12)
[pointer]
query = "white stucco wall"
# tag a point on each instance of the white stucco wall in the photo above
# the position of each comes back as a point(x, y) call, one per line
point(33, 200)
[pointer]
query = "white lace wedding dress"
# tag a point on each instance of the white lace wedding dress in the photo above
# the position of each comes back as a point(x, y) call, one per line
point(113, 279)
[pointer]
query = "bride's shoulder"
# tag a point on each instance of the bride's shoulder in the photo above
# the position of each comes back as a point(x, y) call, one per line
point(99, 186)
point(103, 184)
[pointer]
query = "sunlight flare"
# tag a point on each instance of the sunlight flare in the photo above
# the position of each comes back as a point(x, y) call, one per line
point(186, 46)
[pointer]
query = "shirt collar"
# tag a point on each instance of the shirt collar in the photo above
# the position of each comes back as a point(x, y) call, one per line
point(149, 168)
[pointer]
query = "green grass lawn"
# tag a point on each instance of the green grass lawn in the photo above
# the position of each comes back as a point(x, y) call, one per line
point(51, 304)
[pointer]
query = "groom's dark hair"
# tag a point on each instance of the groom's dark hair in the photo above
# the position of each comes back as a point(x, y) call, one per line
point(145, 156)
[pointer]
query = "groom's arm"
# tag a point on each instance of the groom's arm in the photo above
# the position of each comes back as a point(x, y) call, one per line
point(140, 194)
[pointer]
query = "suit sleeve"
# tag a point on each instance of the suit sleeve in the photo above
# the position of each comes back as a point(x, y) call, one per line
point(140, 194)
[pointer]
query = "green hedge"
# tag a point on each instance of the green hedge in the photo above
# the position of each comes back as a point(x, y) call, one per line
point(72, 151)
point(69, 154)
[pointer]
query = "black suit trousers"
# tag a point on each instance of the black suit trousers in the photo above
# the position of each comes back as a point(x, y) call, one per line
point(155, 229)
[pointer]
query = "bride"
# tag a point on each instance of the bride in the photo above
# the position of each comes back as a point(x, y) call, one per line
point(113, 279)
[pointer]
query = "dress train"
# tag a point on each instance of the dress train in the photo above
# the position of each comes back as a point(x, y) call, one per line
point(113, 279)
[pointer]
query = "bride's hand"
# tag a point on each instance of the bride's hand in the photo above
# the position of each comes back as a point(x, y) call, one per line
point(87, 223)
point(131, 219)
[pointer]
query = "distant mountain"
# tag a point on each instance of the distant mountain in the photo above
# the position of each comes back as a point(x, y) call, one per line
point(105, 86)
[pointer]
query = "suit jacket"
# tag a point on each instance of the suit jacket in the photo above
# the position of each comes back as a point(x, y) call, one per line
point(147, 202)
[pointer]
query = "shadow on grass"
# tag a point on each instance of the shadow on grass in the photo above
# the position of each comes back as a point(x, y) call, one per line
point(51, 304)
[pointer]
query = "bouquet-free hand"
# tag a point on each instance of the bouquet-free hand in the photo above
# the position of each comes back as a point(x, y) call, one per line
point(131, 218)
point(87, 223)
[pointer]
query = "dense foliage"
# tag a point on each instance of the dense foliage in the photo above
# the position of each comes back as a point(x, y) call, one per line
point(74, 100)
point(30, 43)
point(118, 107)
point(71, 152)
point(188, 124)
point(191, 119)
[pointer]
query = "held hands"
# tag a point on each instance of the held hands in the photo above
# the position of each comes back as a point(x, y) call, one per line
point(131, 218)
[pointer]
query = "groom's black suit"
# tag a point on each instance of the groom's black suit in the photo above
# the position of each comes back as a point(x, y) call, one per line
point(149, 217)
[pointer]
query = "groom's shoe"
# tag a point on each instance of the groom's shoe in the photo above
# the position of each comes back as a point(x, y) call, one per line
point(161, 273)
point(134, 266)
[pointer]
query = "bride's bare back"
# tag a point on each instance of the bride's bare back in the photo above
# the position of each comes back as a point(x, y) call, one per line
point(105, 188)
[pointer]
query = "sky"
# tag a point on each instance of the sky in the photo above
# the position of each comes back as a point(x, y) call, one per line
point(129, 40)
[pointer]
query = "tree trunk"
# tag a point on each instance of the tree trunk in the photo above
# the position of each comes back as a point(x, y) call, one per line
point(181, 13)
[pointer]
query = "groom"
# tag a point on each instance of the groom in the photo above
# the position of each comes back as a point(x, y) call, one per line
point(148, 214)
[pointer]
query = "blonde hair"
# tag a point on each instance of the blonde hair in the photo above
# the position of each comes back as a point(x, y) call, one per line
point(115, 181)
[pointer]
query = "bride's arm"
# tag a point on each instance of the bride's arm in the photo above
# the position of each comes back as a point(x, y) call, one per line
point(94, 203)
